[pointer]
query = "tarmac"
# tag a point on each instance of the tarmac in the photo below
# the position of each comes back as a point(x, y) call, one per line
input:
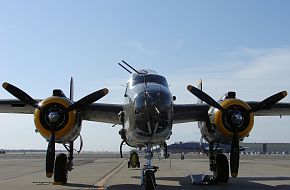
point(96, 171)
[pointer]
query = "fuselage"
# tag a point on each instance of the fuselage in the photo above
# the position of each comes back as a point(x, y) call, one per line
point(147, 109)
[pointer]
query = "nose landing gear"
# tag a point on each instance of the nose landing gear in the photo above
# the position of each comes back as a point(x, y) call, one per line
point(148, 172)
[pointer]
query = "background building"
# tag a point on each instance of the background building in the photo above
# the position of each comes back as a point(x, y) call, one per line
point(247, 148)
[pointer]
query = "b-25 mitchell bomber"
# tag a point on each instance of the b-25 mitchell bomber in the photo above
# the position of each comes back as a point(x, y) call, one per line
point(147, 117)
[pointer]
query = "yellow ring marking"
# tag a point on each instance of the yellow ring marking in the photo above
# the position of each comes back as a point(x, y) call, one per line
point(70, 123)
point(219, 123)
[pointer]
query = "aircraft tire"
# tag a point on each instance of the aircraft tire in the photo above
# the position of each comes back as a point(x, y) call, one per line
point(149, 182)
point(60, 169)
point(222, 169)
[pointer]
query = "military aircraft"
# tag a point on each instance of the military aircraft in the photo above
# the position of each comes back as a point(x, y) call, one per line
point(147, 117)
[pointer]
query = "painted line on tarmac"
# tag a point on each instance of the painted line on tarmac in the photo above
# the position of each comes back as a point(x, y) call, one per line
point(101, 184)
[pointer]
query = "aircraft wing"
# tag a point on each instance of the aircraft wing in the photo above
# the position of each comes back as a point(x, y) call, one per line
point(108, 113)
point(278, 109)
point(15, 106)
point(198, 112)
point(99, 112)
point(183, 113)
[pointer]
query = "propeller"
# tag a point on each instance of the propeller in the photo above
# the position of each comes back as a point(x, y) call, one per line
point(87, 100)
point(21, 95)
point(204, 97)
point(50, 155)
point(269, 101)
point(237, 119)
point(235, 149)
point(53, 116)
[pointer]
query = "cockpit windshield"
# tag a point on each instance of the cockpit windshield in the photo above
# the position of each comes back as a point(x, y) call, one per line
point(149, 78)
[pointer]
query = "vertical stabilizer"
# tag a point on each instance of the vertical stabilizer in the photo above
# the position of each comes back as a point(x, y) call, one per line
point(199, 86)
point(71, 89)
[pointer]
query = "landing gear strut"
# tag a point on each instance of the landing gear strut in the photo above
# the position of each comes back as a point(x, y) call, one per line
point(121, 148)
point(148, 171)
point(166, 150)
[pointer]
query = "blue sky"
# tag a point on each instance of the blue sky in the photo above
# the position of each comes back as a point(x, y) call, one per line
point(231, 45)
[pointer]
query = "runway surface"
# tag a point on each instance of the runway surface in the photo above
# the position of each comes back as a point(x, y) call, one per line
point(26, 172)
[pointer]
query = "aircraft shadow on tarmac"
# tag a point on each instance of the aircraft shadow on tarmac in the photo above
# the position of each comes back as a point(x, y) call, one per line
point(239, 183)
point(72, 185)
point(184, 183)
point(82, 186)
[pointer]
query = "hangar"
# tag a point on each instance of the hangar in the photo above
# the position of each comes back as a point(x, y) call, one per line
point(252, 148)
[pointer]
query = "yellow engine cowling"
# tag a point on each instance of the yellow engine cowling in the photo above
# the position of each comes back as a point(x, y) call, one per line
point(66, 128)
point(222, 122)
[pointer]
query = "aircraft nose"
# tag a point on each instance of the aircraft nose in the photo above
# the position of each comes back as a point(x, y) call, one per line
point(153, 111)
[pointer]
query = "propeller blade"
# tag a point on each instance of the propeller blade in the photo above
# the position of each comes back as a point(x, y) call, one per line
point(89, 99)
point(204, 97)
point(235, 153)
point(269, 101)
point(50, 156)
point(21, 95)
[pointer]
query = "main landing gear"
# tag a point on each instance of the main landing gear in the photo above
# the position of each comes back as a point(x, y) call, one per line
point(63, 164)
point(60, 169)
point(148, 181)
point(219, 165)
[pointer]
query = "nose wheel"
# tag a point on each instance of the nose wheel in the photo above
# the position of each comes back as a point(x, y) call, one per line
point(148, 181)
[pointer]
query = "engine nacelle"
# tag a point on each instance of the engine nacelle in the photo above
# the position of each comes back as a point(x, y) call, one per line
point(221, 129)
point(52, 116)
